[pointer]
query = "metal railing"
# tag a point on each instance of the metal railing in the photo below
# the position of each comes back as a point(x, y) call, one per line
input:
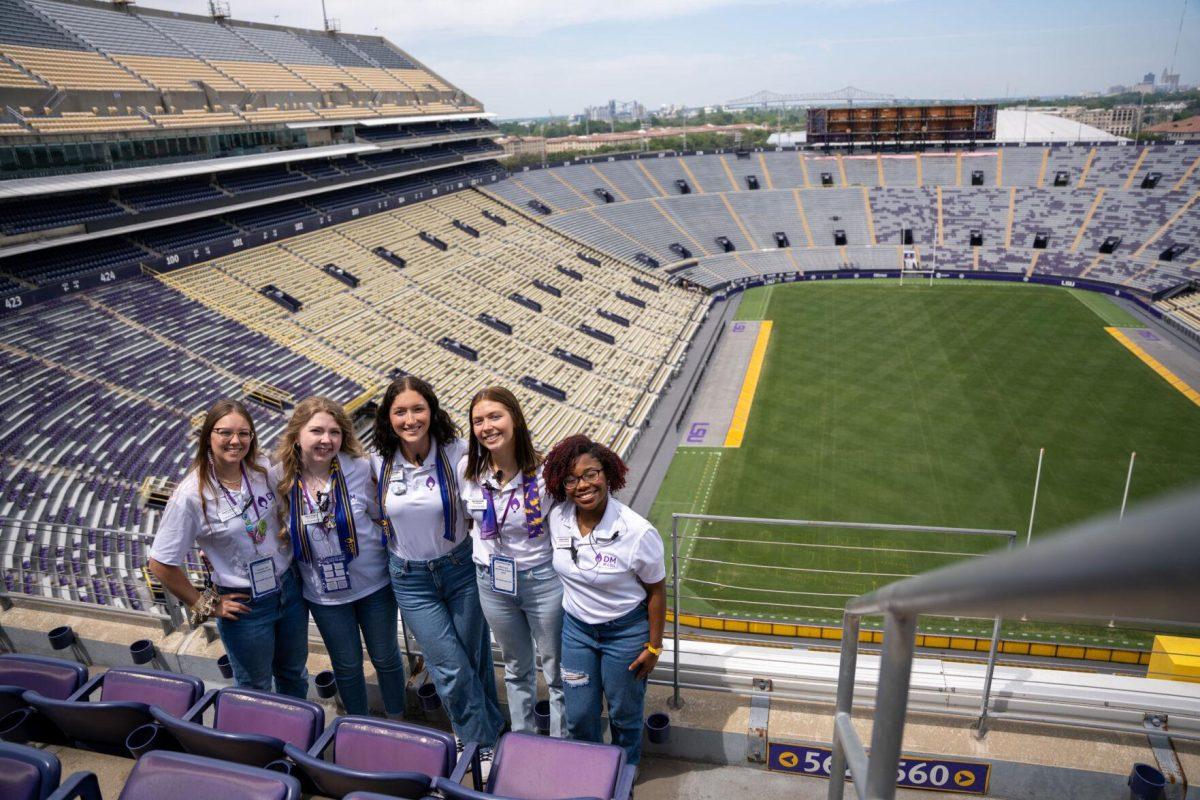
point(1144, 570)
point(61, 563)
point(853, 529)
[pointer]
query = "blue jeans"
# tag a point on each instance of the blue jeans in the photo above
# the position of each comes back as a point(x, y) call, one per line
point(595, 663)
point(270, 640)
point(531, 617)
point(440, 605)
point(375, 616)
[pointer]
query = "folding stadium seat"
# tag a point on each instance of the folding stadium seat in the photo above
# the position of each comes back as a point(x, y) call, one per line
point(49, 677)
point(160, 775)
point(414, 757)
point(533, 767)
point(26, 772)
point(249, 726)
point(126, 695)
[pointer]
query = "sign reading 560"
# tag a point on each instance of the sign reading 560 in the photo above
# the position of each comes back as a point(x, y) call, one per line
point(946, 775)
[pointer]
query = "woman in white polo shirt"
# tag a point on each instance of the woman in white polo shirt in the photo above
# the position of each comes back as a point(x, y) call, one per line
point(614, 593)
point(226, 505)
point(432, 573)
point(518, 590)
point(327, 505)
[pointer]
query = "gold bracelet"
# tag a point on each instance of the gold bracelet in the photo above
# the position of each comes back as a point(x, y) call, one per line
point(656, 651)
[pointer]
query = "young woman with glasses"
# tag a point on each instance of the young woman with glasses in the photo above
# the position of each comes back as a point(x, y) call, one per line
point(226, 505)
point(614, 596)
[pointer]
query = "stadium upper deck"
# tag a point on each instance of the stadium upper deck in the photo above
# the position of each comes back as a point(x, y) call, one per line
point(85, 67)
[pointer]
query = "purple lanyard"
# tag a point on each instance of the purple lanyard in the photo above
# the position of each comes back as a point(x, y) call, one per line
point(253, 501)
point(507, 506)
point(308, 502)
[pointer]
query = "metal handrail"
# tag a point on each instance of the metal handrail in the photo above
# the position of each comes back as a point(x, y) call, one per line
point(1144, 569)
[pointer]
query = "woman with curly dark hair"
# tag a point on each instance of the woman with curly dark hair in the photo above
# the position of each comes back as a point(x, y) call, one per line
point(433, 576)
point(610, 561)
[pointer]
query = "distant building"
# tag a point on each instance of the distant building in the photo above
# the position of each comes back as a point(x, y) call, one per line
point(1169, 82)
point(1177, 130)
point(1118, 120)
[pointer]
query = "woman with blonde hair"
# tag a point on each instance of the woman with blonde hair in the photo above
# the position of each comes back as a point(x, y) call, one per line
point(327, 508)
point(225, 504)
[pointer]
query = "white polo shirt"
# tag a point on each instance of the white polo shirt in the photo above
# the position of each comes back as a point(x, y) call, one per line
point(416, 515)
point(601, 581)
point(368, 571)
point(513, 541)
point(219, 529)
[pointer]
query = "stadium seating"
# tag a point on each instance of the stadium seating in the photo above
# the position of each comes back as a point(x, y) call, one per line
point(49, 677)
point(249, 727)
point(161, 774)
point(28, 773)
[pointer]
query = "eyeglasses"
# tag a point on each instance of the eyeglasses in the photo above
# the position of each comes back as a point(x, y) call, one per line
point(589, 475)
point(225, 435)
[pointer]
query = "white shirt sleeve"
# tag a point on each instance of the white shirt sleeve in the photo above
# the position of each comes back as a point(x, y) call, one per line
point(647, 560)
point(179, 526)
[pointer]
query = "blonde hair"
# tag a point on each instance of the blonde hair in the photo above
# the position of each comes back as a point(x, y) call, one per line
point(287, 453)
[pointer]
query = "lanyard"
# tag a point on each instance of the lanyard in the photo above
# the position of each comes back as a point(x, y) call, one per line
point(308, 502)
point(507, 505)
point(255, 530)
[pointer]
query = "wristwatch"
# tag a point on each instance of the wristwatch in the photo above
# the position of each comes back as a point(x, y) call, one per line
point(653, 650)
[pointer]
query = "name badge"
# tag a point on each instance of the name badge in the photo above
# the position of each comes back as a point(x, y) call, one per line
point(504, 575)
point(398, 485)
point(335, 574)
point(476, 505)
point(563, 542)
point(314, 518)
point(262, 577)
point(226, 512)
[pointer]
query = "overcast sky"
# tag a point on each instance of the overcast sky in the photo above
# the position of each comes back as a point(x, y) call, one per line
point(533, 57)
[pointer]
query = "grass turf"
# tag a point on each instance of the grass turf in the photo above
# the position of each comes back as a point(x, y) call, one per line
point(921, 405)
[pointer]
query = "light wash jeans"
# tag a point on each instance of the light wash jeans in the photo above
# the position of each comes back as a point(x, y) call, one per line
point(532, 617)
point(595, 666)
point(375, 616)
point(270, 641)
point(440, 604)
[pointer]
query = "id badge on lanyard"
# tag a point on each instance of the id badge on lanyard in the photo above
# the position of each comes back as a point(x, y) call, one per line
point(262, 577)
point(504, 575)
point(334, 573)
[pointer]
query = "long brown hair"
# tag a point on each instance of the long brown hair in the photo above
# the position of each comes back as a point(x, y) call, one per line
point(202, 464)
point(287, 452)
point(527, 457)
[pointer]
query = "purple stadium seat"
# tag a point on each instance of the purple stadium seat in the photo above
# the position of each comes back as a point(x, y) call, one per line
point(161, 775)
point(27, 773)
point(126, 695)
point(249, 726)
point(49, 677)
point(528, 767)
point(393, 758)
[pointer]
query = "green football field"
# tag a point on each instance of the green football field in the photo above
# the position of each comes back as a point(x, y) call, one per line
point(925, 406)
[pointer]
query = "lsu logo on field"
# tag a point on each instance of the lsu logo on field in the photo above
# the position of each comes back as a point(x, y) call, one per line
point(936, 774)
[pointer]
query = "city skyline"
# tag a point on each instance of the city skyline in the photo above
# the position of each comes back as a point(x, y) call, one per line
point(532, 58)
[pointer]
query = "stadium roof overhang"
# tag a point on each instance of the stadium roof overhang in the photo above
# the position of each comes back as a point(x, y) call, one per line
point(31, 187)
point(373, 122)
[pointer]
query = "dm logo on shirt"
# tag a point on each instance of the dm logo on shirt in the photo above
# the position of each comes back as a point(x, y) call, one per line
point(514, 503)
point(430, 483)
point(606, 560)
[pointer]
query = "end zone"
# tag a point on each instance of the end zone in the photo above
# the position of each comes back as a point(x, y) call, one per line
point(725, 396)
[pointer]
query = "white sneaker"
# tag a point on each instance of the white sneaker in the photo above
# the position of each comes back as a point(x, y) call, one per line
point(485, 763)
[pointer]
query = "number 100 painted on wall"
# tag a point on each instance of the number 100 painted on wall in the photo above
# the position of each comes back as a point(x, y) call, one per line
point(942, 775)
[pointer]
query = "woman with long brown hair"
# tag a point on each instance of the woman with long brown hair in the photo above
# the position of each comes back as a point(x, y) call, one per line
point(225, 504)
point(432, 573)
point(519, 590)
point(327, 508)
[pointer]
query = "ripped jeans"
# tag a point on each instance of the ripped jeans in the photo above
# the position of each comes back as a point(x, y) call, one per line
point(595, 665)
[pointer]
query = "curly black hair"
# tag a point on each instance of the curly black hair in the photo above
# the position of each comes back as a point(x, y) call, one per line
point(441, 428)
point(562, 457)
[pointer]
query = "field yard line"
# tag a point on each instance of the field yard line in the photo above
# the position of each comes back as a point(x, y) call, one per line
point(708, 479)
